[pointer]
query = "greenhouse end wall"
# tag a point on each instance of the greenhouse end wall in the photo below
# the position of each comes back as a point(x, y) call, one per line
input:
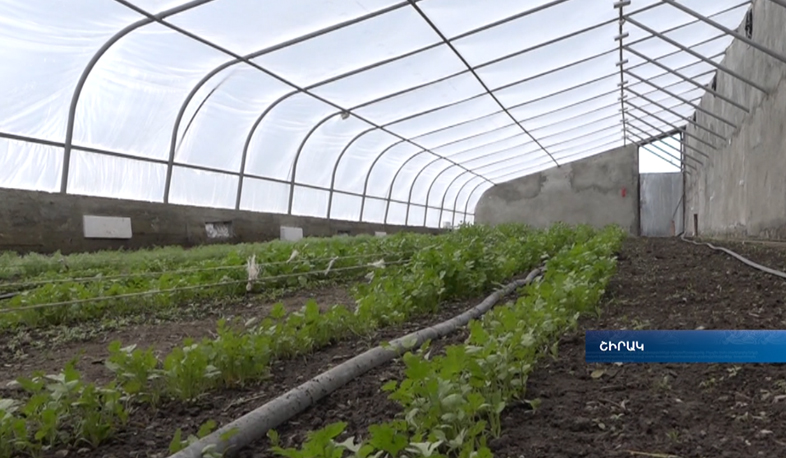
point(47, 222)
point(599, 190)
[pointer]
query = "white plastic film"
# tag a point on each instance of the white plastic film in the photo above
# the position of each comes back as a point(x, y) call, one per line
point(422, 184)
point(407, 173)
point(351, 48)
point(476, 126)
point(310, 202)
point(492, 149)
point(462, 146)
point(30, 166)
point(439, 185)
point(374, 210)
point(203, 189)
point(345, 207)
point(458, 190)
point(456, 17)
point(146, 76)
point(397, 214)
point(45, 48)
point(432, 97)
point(264, 196)
point(354, 166)
point(544, 26)
point(92, 174)
point(381, 174)
point(546, 60)
point(322, 149)
point(471, 202)
point(246, 26)
point(215, 131)
point(416, 215)
point(416, 70)
point(280, 134)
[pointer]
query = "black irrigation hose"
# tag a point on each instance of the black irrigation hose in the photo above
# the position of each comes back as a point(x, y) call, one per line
point(747, 261)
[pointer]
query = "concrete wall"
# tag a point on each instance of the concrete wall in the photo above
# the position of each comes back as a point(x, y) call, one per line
point(741, 189)
point(661, 202)
point(43, 222)
point(586, 191)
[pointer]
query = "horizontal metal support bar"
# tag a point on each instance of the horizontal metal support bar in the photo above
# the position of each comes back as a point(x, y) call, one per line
point(686, 119)
point(697, 55)
point(727, 30)
point(657, 129)
point(646, 144)
point(696, 106)
point(524, 169)
point(689, 80)
point(708, 144)
point(682, 164)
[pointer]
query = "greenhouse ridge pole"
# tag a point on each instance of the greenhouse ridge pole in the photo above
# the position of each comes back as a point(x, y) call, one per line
point(477, 77)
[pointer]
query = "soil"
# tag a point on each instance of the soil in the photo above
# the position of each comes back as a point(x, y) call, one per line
point(150, 431)
point(770, 254)
point(634, 410)
point(161, 336)
point(646, 410)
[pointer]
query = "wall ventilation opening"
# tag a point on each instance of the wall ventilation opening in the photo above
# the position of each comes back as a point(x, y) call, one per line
point(220, 230)
point(749, 24)
point(344, 233)
point(661, 154)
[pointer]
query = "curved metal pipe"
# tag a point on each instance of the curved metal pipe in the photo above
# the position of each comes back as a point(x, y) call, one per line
point(89, 68)
point(250, 135)
point(297, 156)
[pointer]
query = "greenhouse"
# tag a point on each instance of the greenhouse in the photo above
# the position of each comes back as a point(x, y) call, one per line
point(381, 228)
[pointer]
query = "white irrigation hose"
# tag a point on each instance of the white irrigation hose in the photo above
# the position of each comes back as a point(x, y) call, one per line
point(255, 424)
point(747, 261)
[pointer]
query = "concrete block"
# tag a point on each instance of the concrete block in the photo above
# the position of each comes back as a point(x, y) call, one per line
point(292, 234)
point(380, 233)
point(106, 227)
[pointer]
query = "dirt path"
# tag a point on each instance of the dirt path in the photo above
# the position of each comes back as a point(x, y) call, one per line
point(686, 410)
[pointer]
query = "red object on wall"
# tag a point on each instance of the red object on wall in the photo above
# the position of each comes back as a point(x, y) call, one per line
point(624, 192)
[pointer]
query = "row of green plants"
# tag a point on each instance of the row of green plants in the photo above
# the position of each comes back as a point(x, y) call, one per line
point(452, 403)
point(189, 273)
point(460, 264)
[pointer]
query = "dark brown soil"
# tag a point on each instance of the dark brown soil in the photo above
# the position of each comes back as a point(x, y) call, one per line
point(770, 254)
point(647, 410)
point(161, 336)
point(151, 431)
point(685, 410)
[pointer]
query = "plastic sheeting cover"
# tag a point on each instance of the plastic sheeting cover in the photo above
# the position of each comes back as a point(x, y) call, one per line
point(350, 110)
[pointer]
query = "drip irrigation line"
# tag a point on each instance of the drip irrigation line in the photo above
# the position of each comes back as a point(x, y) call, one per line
point(743, 259)
point(252, 426)
point(97, 278)
point(187, 288)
